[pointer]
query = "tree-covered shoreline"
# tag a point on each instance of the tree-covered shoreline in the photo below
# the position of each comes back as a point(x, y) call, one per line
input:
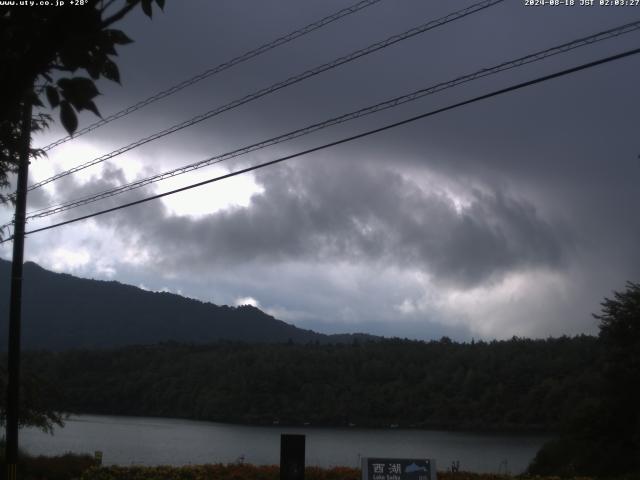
point(519, 385)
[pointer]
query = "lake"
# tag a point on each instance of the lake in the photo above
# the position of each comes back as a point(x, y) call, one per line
point(162, 441)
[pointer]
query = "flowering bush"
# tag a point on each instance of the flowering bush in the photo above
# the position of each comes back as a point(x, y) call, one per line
point(250, 472)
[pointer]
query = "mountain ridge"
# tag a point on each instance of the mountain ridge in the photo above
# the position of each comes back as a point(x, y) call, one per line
point(62, 311)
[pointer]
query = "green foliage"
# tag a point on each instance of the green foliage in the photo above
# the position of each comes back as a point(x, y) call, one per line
point(620, 336)
point(42, 45)
point(62, 467)
point(37, 394)
point(619, 427)
point(552, 458)
point(604, 437)
point(250, 472)
point(196, 472)
point(516, 384)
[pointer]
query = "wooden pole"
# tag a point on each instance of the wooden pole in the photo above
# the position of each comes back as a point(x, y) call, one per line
point(15, 304)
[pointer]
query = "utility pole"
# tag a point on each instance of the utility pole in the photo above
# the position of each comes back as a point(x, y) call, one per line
point(15, 305)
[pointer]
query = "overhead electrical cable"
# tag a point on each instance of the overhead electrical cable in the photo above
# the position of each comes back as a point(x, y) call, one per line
point(217, 69)
point(279, 85)
point(533, 57)
point(348, 139)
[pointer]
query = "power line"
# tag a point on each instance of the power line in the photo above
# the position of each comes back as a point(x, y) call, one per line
point(348, 139)
point(217, 69)
point(537, 56)
point(279, 85)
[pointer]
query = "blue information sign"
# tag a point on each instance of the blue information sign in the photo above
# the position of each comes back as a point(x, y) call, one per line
point(398, 469)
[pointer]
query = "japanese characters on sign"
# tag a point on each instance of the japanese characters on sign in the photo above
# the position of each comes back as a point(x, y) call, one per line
point(398, 469)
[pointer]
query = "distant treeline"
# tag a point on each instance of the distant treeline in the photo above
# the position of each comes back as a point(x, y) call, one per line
point(518, 384)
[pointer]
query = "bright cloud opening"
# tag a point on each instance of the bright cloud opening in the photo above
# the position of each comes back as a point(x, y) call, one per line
point(211, 198)
point(238, 302)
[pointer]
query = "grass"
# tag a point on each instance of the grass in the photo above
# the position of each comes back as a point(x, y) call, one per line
point(83, 467)
point(69, 466)
point(250, 472)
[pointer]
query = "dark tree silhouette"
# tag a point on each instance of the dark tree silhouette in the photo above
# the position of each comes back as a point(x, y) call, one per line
point(620, 338)
point(604, 437)
point(42, 48)
point(517, 385)
point(41, 51)
point(37, 393)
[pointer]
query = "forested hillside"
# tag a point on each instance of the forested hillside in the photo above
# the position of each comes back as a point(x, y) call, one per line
point(61, 311)
point(517, 384)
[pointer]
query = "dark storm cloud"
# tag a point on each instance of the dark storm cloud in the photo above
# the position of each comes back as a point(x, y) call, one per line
point(549, 174)
point(167, 52)
point(328, 211)
point(222, 30)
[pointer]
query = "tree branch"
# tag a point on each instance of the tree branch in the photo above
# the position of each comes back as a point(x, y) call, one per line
point(120, 14)
point(107, 5)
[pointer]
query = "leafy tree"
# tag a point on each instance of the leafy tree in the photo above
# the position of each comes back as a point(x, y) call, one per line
point(603, 437)
point(37, 394)
point(372, 384)
point(620, 338)
point(42, 50)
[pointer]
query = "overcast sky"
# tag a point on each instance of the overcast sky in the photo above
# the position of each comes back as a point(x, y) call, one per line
point(512, 216)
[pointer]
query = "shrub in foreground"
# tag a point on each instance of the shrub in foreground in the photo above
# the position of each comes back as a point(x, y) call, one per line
point(248, 472)
point(63, 467)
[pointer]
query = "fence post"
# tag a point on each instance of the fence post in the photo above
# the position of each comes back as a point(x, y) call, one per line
point(292, 449)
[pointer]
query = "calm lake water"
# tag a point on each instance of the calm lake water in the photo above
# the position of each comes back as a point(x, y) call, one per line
point(161, 441)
